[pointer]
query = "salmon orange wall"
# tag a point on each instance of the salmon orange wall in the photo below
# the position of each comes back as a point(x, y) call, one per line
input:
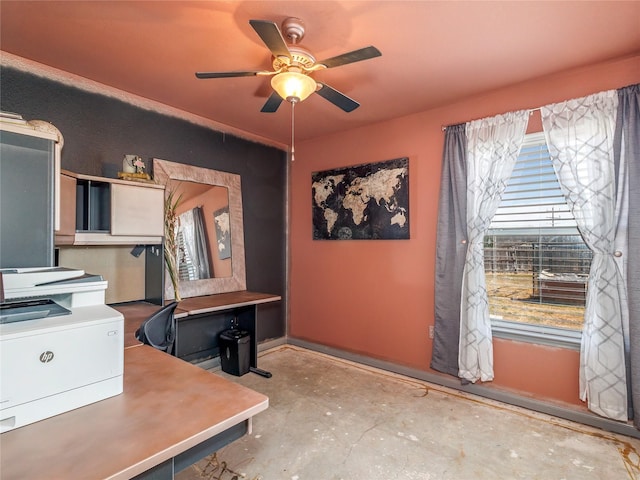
point(376, 297)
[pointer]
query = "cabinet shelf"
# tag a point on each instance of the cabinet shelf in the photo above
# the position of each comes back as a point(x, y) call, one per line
point(93, 206)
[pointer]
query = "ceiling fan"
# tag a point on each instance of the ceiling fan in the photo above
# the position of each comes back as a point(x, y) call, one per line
point(293, 65)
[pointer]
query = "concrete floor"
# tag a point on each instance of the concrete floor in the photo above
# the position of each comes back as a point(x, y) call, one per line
point(330, 419)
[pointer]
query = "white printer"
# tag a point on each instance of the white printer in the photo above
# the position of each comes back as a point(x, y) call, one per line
point(61, 347)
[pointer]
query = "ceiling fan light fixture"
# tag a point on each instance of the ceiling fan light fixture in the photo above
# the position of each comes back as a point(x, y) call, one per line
point(293, 86)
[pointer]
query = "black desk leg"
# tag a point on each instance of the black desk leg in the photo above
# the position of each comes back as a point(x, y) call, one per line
point(259, 371)
point(248, 320)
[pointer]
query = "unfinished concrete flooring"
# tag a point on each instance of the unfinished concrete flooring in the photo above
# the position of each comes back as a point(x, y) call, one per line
point(329, 419)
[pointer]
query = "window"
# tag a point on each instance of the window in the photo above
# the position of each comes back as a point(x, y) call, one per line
point(536, 263)
point(186, 268)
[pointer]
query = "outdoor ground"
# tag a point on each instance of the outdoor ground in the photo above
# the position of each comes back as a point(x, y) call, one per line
point(509, 299)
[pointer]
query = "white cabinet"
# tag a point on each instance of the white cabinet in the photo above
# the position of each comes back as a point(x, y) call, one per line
point(136, 210)
point(111, 212)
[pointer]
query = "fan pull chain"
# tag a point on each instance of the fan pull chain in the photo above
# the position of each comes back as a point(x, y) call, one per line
point(293, 148)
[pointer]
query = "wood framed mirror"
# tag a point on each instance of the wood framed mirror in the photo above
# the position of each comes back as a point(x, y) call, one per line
point(212, 200)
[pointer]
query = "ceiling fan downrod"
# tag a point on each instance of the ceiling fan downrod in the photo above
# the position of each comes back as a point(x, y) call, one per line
point(294, 29)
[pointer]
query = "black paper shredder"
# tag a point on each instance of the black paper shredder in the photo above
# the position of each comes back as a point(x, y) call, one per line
point(234, 352)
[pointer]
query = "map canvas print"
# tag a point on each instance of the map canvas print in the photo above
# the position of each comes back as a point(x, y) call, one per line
point(362, 202)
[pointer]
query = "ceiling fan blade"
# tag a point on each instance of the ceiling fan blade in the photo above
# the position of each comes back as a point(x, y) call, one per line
point(272, 37)
point(226, 74)
point(351, 57)
point(340, 100)
point(272, 104)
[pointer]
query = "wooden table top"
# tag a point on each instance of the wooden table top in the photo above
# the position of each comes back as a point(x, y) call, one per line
point(167, 407)
point(222, 301)
point(136, 312)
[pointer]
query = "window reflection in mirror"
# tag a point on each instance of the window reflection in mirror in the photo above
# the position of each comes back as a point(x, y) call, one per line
point(203, 231)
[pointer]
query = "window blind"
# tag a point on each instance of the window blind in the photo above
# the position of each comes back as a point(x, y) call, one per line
point(533, 198)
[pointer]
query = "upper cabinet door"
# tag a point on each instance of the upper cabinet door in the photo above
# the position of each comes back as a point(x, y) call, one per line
point(137, 210)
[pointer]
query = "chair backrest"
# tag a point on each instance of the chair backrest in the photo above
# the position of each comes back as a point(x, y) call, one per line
point(159, 330)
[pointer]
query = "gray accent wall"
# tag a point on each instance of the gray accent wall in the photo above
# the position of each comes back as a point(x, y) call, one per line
point(99, 130)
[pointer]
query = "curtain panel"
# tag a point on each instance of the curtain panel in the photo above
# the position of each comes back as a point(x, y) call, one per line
point(580, 134)
point(451, 250)
point(201, 248)
point(493, 145)
point(627, 154)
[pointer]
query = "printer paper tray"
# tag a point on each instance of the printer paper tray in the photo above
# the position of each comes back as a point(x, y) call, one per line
point(30, 310)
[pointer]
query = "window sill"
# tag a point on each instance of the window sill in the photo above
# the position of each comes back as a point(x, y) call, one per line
point(539, 334)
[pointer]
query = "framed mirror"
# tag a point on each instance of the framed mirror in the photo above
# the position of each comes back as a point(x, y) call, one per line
point(209, 230)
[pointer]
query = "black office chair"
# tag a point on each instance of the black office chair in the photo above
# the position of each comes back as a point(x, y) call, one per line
point(159, 330)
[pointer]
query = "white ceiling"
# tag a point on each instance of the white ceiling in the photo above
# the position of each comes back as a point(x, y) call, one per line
point(433, 52)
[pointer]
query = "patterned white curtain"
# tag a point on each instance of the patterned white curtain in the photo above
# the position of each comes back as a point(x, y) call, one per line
point(493, 145)
point(186, 256)
point(580, 136)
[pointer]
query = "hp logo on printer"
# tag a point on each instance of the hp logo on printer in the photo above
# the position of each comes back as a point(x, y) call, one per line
point(46, 357)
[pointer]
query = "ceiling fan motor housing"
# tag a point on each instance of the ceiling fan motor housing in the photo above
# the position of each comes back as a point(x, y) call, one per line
point(300, 56)
point(293, 29)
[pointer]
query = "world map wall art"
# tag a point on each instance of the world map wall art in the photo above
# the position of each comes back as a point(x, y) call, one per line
point(362, 202)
